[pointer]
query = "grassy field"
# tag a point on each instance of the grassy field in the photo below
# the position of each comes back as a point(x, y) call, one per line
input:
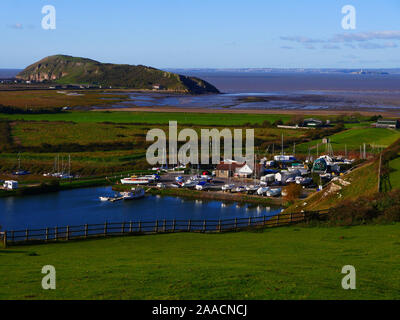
point(95, 147)
point(53, 99)
point(226, 119)
point(395, 175)
point(353, 138)
point(282, 263)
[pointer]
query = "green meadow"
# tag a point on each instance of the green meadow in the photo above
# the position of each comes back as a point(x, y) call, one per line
point(395, 174)
point(278, 263)
point(220, 119)
point(353, 138)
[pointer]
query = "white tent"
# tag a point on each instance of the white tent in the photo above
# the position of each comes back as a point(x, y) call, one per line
point(245, 171)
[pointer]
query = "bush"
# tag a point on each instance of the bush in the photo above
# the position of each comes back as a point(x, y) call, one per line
point(293, 191)
point(382, 207)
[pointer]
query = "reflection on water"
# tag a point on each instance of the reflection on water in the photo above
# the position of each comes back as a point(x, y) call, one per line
point(81, 206)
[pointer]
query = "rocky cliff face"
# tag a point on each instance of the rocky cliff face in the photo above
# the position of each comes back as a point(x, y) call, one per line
point(73, 70)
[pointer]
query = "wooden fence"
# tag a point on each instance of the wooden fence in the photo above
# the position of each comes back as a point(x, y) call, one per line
point(152, 227)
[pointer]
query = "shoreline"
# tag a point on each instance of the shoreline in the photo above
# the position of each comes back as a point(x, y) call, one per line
point(251, 111)
point(211, 195)
point(184, 193)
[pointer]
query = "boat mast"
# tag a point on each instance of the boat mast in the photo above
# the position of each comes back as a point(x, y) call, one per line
point(19, 161)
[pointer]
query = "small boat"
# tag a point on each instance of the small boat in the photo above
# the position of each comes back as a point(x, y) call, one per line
point(112, 199)
point(21, 173)
point(252, 188)
point(136, 180)
point(227, 187)
point(202, 185)
point(240, 189)
point(262, 191)
point(189, 184)
point(134, 194)
point(274, 192)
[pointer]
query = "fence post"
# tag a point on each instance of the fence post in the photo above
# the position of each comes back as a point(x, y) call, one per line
point(12, 236)
point(219, 225)
point(249, 224)
point(173, 225)
point(204, 226)
point(264, 220)
point(164, 225)
point(26, 235)
point(86, 230)
point(5, 238)
point(189, 225)
point(56, 233)
point(291, 217)
point(140, 226)
point(105, 228)
point(236, 224)
point(67, 235)
point(130, 226)
point(277, 219)
point(123, 227)
point(156, 227)
point(47, 234)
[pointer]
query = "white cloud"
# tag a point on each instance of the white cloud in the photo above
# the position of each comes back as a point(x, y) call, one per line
point(16, 26)
point(366, 36)
point(301, 39)
point(373, 45)
point(331, 46)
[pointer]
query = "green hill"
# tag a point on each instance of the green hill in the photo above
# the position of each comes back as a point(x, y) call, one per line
point(73, 70)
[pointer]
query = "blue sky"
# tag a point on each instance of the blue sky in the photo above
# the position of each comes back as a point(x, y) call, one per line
point(201, 34)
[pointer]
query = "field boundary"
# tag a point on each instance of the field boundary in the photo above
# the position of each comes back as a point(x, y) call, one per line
point(90, 231)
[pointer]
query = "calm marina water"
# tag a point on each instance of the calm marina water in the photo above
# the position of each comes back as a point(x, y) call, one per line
point(81, 206)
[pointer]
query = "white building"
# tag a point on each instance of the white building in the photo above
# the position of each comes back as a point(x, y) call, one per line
point(10, 185)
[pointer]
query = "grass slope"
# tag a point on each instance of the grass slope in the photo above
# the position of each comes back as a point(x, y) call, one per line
point(395, 175)
point(283, 263)
point(363, 182)
point(355, 137)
